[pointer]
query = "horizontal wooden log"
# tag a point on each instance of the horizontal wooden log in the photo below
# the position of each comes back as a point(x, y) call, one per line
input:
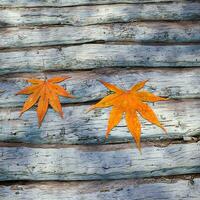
point(107, 190)
point(172, 83)
point(58, 3)
point(97, 162)
point(131, 32)
point(90, 56)
point(181, 119)
point(87, 15)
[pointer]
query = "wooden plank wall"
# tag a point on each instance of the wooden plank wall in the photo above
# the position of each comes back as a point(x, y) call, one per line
point(120, 41)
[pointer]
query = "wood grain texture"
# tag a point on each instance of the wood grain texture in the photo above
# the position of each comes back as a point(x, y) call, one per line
point(97, 162)
point(173, 83)
point(87, 15)
point(181, 119)
point(107, 190)
point(90, 56)
point(130, 32)
point(74, 148)
point(58, 3)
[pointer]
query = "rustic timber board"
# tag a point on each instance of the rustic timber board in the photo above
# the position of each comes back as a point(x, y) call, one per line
point(168, 82)
point(159, 189)
point(60, 3)
point(90, 56)
point(181, 119)
point(168, 32)
point(100, 14)
point(119, 41)
point(97, 162)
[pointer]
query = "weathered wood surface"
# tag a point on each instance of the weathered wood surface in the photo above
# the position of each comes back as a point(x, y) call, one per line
point(47, 153)
point(90, 56)
point(130, 32)
point(181, 119)
point(58, 3)
point(97, 162)
point(172, 83)
point(87, 15)
point(175, 189)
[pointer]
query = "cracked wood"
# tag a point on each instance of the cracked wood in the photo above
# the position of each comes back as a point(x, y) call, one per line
point(91, 56)
point(131, 32)
point(60, 3)
point(172, 83)
point(108, 190)
point(77, 127)
point(97, 162)
point(101, 14)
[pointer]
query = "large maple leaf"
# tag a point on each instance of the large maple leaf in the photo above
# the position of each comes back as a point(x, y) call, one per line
point(44, 92)
point(129, 102)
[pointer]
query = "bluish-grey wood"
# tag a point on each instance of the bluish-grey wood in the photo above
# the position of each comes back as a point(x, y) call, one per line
point(181, 119)
point(87, 15)
point(173, 83)
point(33, 3)
point(175, 189)
point(97, 162)
point(90, 56)
point(130, 32)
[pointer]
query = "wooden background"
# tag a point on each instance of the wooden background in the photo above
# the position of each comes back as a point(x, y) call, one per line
point(120, 41)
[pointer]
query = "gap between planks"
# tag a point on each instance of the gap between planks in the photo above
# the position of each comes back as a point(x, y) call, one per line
point(105, 146)
point(135, 181)
point(61, 4)
point(182, 187)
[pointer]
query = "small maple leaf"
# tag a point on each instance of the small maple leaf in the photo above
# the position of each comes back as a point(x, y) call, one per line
point(129, 102)
point(44, 92)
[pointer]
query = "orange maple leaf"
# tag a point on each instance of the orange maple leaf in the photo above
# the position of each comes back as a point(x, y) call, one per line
point(44, 92)
point(129, 102)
